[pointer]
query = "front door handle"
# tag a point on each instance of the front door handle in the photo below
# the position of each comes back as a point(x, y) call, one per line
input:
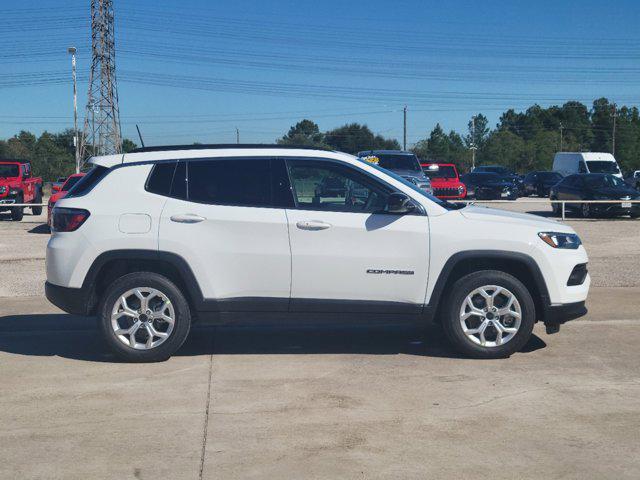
point(313, 225)
point(187, 218)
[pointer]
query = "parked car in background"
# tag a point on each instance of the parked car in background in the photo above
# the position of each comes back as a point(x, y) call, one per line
point(18, 185)
point(490, 186)
point(595, 186)
point(634, 179)
point(568, 163)
point(504, 172)
point(59, 192)
point(540, 183)
point(445, 180)
point(402, 163)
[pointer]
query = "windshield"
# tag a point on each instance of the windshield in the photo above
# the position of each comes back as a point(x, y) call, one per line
point(601, 166)
point(70, 183)
point(550, 176)
point(398, 162)
point(599, 181)
point(501, 170)
point(414, 187)
point(9, 171)
point(445, 171)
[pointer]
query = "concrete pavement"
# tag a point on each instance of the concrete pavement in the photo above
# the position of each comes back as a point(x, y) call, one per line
point(249, 402)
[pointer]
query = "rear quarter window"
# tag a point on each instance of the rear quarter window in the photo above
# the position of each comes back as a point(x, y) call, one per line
point(160, 178)
point(88, 182)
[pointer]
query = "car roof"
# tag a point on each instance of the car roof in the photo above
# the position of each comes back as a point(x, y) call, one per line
point(177, 152)
point(386, 152)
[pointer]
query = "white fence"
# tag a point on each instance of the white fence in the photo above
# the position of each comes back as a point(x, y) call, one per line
point(520, 201)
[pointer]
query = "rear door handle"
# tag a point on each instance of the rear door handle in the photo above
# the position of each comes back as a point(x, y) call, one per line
point(187, 218)
point(313, 225)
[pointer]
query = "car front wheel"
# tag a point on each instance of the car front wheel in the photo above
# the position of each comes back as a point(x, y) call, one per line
point(488, 314)
point(144, 317)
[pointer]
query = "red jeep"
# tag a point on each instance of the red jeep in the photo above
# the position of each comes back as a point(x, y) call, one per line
point(17, 185)
point(445, 180)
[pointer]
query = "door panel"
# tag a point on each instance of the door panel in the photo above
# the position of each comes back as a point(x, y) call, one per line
point(347, 254)
point(360, 257)
point(233, 251)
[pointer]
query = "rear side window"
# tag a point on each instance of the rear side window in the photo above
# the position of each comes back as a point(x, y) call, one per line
point(88, 182)
point(235, 182)
point(160, 178)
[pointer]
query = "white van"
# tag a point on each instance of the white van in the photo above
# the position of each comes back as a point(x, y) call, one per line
point(568, 163)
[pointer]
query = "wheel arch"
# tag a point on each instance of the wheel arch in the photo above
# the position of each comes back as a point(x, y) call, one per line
point(520, 265)
point(111, 265)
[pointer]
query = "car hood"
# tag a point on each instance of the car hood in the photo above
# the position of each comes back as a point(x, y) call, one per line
point(486, 214)
point(497, 184)
point(411, 173)
point(616, 193)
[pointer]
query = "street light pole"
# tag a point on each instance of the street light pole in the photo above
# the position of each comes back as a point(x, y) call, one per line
point(76, 143)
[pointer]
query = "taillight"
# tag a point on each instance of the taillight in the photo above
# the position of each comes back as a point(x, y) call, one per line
point(68, 219)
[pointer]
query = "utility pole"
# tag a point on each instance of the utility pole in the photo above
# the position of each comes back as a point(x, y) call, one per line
point(613, 140)
point(237, 135)
point(76, 141)
point(561, 128)
point(473, 146)
point(102, 134)
point(404, 142)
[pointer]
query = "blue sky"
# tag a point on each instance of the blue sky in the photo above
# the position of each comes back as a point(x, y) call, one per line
point(195, 70)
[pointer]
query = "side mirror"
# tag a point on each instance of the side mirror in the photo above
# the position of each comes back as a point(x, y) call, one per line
point(56, 188)
point(399, 204)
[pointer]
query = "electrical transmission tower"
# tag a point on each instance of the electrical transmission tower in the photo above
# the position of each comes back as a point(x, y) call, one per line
point(101, 135)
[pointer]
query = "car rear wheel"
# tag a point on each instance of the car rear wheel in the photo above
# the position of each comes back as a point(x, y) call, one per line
point(144, 317)
point(488, 314)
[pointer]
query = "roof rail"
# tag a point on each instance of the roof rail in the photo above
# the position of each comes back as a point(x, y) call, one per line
point(197, 146)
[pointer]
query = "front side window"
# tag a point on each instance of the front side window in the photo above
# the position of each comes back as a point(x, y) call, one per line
point(331, 187)
point(602, 166)
point(234, 182)
point(9, 170)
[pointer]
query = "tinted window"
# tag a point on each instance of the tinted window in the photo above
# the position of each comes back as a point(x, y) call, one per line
point(88, 182)
point(9, 171)
point(601, 166)
point(443, 171)
point(160, 178)
point(603, 181)
point(179, 185)
point(71, 181)
point(331, 187)
point(398, 162)
point(236, 182)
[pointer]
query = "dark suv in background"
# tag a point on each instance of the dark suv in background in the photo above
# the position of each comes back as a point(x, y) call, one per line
point(540, 183)
point(596, 186)
point(402, 163)
point(489, 186)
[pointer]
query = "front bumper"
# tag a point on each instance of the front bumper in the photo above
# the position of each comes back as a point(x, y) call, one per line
point(555, 315)
point(71, 300)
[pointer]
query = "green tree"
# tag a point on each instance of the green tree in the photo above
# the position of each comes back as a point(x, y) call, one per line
point(304, 132)
point(353, 137)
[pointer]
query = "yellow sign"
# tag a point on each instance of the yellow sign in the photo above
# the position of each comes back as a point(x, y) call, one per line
point(372, 159)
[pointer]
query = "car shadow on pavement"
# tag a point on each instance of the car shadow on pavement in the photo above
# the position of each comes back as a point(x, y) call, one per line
point(43, 228)
point(78, 338)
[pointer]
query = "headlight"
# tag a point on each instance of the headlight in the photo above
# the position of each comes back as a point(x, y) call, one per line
point(460, 190)
point(3, 190)
point(561, 240)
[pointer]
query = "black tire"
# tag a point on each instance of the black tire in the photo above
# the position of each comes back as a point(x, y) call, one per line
point(17, 212)
point(453, 303)
point(37, 199)
point(182, 320)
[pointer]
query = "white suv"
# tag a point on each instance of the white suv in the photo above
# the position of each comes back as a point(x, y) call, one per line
point(153, 240)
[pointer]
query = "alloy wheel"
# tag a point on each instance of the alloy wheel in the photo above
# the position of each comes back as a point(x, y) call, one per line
point(143, 318)
point(490, 316)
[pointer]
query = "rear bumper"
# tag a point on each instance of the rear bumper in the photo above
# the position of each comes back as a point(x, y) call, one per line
point(70, 300)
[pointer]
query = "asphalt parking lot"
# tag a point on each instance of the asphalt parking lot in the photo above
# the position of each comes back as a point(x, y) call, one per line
point(339, 402)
